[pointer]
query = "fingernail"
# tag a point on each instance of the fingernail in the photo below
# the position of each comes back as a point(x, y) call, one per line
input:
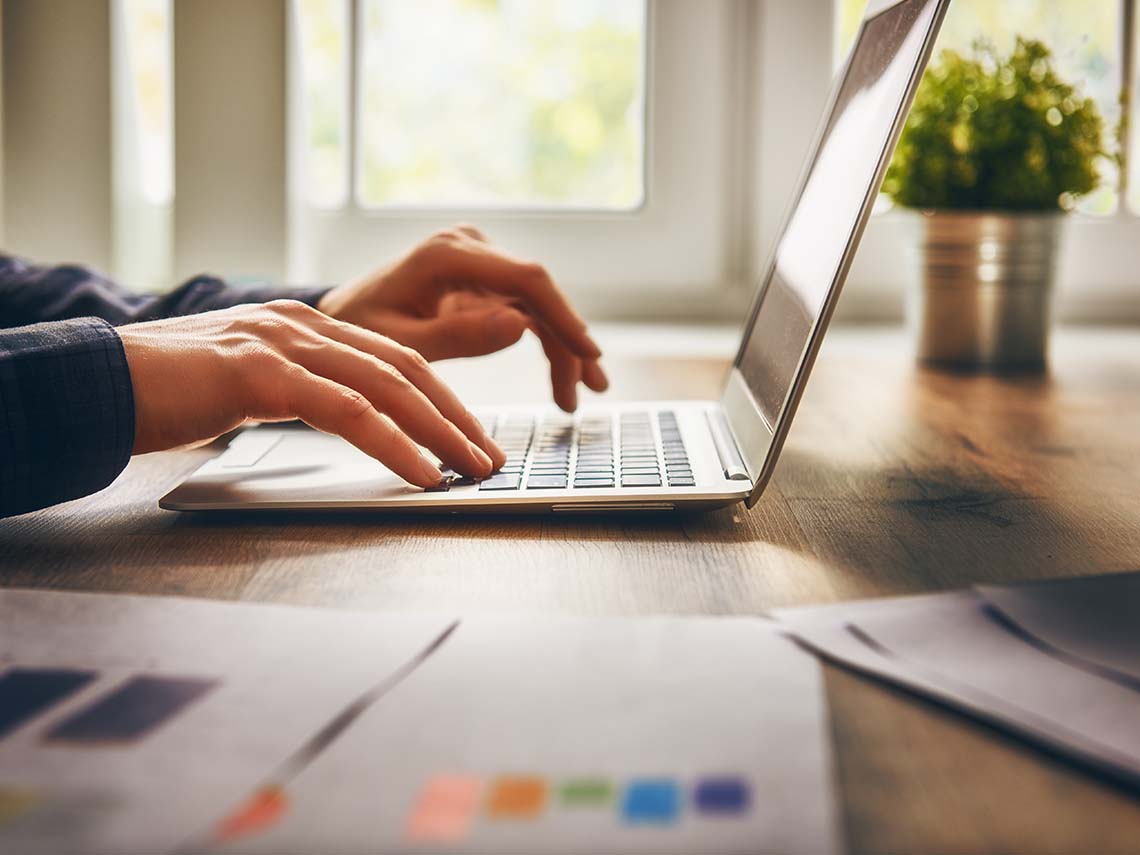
point(497, 455)
point(481, 457)
point(431, 471)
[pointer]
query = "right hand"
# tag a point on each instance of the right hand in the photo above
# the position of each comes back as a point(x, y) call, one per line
point(197, 377)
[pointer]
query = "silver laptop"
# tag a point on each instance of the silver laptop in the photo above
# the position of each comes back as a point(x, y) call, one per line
point(661, 455)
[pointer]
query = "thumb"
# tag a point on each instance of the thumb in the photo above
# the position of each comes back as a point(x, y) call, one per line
point(465, 333)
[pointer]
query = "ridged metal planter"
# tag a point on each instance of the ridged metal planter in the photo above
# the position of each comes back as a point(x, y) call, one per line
point(985, 295)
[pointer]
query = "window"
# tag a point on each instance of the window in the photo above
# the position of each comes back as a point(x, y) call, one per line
point(502, 103)
point(476, 103)
point(593, 134)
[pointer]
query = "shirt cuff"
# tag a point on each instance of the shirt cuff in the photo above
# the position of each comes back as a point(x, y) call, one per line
point(67, 413)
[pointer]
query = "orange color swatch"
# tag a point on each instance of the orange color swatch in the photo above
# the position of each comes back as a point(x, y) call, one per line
point(264, 808)
point(445, 809)
point(517, 797)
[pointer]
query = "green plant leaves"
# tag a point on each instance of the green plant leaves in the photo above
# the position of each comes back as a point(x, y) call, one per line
point(992, 132)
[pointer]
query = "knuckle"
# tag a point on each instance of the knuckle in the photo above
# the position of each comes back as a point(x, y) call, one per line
point(412, 361)
point(352, 404)
point(392, 377)
point(289, 308)
point(449, 235)
point(443, 242)
point(533, 276)
point(269, 325)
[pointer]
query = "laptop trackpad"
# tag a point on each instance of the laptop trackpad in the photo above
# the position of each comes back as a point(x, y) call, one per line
point(278, 465)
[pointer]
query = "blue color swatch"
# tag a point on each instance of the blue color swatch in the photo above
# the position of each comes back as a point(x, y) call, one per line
point(723, 796)
point(655, 801)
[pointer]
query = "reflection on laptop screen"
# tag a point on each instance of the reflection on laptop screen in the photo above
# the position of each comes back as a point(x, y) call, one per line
point(812, 248)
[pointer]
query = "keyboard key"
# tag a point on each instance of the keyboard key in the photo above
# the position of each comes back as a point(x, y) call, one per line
point(502, 481)
point(546, 482)
point(590, 483)
point(682, 482)
point(641, 480)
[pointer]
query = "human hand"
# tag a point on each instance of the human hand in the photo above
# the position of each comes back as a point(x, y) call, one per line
point(456, 294)
point(199, 376)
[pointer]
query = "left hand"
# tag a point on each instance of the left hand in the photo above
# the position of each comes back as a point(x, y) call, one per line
point(456, 294)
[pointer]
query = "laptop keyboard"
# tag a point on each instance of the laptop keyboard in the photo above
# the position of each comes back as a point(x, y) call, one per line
point(595, 452)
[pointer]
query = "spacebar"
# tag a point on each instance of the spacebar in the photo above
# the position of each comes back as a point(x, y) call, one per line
point(501, 482)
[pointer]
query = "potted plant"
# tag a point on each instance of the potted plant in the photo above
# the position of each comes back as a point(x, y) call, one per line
point(996, 150)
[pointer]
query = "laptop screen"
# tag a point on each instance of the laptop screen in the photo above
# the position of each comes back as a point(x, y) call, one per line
point(823, 224)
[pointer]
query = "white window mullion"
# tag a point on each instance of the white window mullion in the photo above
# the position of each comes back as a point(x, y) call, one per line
point(142, 136)
point(352, 124)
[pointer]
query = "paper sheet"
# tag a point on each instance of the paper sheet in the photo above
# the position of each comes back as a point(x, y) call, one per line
point(148, 725)
point(1092, 619)
point(129, 782)
point(951, 649)
point(565, 735)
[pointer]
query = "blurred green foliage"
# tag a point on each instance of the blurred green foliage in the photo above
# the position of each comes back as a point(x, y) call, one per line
point(503, 102)
point(997, 132)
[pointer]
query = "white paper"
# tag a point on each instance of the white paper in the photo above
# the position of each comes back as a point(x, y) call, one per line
point(559, 698)
point(283, 672)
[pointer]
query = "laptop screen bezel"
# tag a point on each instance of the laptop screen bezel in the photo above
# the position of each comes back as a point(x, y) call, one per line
point(758, 442)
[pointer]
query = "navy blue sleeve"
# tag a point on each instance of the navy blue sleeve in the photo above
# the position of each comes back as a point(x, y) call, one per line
point(67, 414)
point(31, 293)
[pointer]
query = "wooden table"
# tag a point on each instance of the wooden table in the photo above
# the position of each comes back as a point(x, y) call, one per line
point(895, 480)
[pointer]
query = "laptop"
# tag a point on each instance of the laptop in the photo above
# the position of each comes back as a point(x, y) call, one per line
point(660, 455)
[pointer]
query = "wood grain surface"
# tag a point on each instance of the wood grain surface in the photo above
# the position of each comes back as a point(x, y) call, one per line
point(895, 480)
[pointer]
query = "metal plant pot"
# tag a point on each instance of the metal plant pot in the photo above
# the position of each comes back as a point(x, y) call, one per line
point(986, 289)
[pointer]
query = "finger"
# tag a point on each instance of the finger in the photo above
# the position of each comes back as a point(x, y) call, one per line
point(390, 392)
point(593, 375)
point(565, 369)
point(334, 408)
point(463, 333)
point(488, 267)
point(416, 370)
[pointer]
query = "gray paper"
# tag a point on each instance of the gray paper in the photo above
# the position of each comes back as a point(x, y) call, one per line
point(950, 648)
point(1094, 619)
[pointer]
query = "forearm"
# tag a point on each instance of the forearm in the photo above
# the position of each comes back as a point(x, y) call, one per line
point(32, 294)
point(66, 413)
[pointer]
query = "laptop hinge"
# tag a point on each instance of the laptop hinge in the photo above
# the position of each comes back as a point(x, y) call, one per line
point(730, 460)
